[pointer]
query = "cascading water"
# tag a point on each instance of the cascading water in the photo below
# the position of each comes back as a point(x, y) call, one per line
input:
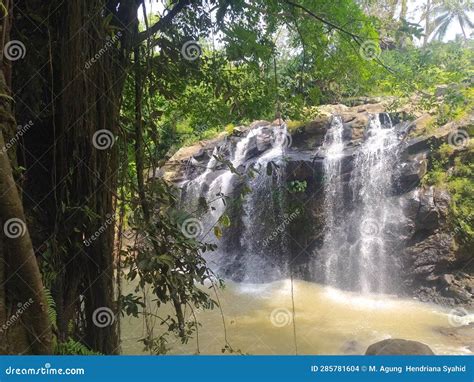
point(356, 244)
point(333, 149)
point(270, 141)
point(372, 185)
point(360, 218)
point(222, 185)
point(263, 209)
point(194, 187)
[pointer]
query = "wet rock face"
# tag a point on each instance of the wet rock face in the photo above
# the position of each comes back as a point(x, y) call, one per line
point(398, 347)
point(430, 259)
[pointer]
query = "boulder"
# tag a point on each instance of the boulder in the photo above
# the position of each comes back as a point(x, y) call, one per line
point(398, 346)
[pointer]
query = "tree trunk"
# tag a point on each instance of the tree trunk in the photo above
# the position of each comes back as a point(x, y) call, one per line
point(461, 23)
point(393, 9)
point(20, 258)
point(404, 10)
point(427, 22)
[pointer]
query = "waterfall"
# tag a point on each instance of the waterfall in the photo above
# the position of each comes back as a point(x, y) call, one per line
point(361, 219)
point(223, 183)
point(372, 185)
point(356, 249)
point(333, 148)
point(194, 187)
point(264, 209)
point(214, 185)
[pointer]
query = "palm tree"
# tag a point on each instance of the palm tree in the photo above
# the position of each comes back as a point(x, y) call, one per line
point(449, 11)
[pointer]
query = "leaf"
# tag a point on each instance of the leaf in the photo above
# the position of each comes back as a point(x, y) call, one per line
point(225, 220)
point(217, 232)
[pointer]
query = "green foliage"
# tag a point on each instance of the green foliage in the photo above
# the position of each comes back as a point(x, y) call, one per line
point(297, 186)
point(422, 69)
point(273, 59)
point(454, 171)
point(71, 347)
point(52, 315)
point(166, 260)
point(294, 125)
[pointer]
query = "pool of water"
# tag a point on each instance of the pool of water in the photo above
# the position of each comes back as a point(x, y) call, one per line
point(259, 320)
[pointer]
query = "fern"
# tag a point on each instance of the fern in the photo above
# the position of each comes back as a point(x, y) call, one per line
point(72, 347)
point(52, 315)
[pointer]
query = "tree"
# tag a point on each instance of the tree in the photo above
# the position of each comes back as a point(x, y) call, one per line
point(70, 80)
point(404, 10)
point(450, 11)
point(427, 17)
point(18, 265)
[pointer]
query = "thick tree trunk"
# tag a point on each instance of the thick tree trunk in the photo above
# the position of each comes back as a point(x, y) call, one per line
point(3, 301)
point(20, 258)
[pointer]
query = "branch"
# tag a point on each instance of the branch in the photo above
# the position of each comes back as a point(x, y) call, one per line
point(324, 21)
point(163, 23)
point(355, 37)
